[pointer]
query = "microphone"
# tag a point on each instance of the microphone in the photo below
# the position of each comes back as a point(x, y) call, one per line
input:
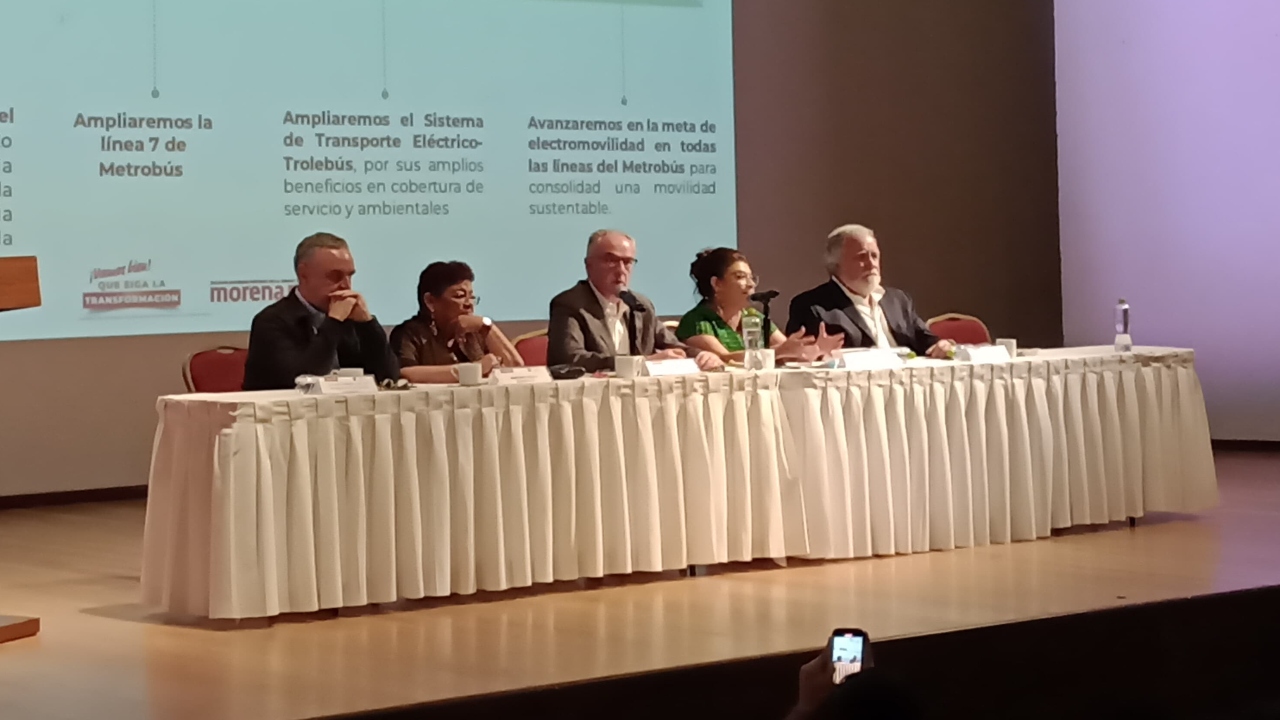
point(764, 296)
point(631, 301)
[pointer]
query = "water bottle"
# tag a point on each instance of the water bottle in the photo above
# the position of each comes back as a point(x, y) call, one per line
point(1124, 343)
point(752, 332)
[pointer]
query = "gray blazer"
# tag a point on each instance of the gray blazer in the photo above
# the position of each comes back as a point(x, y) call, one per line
point(577, 334)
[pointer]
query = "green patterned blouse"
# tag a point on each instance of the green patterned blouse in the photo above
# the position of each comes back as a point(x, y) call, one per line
point(704, 320)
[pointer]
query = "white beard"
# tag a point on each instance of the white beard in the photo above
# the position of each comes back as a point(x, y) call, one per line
point(867, 286)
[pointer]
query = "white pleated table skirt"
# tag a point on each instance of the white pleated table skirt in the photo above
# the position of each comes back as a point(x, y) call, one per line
point(274, 502)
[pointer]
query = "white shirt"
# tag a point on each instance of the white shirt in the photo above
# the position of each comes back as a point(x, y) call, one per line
point(615, 319)
point(874, 317)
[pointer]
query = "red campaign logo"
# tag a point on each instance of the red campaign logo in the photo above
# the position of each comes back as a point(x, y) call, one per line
point(127, 300)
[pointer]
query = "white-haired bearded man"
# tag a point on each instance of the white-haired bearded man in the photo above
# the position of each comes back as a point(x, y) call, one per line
point(855, 303)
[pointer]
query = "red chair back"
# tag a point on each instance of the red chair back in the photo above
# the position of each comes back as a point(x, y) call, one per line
point(533, 348)
point(962, 329)
point(219, 369)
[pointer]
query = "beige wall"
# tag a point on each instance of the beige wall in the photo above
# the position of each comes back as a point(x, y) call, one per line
point(930, 120)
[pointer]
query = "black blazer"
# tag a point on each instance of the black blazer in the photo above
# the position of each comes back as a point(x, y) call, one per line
point(283, 344)
point(577, 334)
point(828, 303)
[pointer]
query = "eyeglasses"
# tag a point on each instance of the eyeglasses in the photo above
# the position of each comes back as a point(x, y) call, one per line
point(627, 262)
point(473, 299)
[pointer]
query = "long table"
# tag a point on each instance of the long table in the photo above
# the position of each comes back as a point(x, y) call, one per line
point(264, 503)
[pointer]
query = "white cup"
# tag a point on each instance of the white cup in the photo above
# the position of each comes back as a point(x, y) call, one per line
point(1009, 344)
point(469, 374)
point(760, 359)
point(628, 366)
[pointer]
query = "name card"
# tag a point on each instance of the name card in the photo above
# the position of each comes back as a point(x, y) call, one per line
point(869, 359)
point(983, 354)
point(520, 375)
point(337, 384)
point(668, 368)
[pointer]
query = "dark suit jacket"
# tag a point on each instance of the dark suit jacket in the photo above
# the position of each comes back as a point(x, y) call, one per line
point(829, 304)
point(283, 344)
point(578, 335)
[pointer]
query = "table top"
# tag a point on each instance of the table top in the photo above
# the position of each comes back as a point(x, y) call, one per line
point(1093, 351)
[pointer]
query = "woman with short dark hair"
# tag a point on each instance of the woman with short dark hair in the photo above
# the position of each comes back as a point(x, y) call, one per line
point(724, 279)
point(446, 331)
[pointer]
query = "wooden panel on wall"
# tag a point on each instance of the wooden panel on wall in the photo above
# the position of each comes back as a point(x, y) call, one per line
point(19, 283)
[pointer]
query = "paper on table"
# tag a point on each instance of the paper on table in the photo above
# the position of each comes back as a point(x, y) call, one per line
point(521, 375)
point(667, 368)
point(983, 354)
point(869, 359)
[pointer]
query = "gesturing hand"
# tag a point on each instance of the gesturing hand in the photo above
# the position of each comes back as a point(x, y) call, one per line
point(828, 344)
point(797, 345)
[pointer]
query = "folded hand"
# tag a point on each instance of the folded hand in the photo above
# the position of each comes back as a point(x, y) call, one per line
point(348, 305)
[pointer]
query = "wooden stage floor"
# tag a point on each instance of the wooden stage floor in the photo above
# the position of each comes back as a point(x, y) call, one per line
point(101, 655)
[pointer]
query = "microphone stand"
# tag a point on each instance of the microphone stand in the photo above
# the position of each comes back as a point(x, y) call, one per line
point(633, 321)
point(766, 328)
point(764, 298)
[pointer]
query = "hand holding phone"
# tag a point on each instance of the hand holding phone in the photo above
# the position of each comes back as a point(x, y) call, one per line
point(848, 652)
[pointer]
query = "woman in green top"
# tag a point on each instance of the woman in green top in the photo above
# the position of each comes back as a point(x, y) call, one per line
point(724, 280)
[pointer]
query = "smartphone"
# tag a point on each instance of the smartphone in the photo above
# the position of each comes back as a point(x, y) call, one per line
point(849, 648)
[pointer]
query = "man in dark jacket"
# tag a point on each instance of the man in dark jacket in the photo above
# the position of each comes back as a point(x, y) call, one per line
point(853, 301)
point(321, 326)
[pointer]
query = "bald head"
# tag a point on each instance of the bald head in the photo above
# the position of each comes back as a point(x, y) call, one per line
point(611, 255)
point(607, 238)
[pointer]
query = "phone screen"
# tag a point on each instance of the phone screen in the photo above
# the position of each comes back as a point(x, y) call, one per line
point(846, 654)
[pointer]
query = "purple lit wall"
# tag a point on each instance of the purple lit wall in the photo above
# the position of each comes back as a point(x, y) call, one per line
point(1169, 175)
